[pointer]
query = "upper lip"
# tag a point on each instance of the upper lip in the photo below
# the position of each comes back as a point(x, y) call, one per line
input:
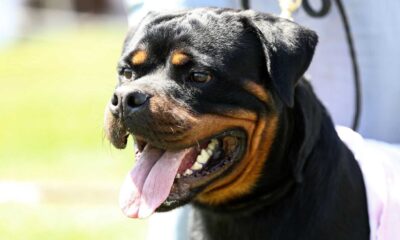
point(142, 141)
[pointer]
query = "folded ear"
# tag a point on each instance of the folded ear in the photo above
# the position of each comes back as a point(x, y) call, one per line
point(288, 49)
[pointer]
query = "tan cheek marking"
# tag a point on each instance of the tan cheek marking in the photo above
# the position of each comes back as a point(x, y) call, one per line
point(240, 114)
point(245, 175)
point(179, 58)
point(208, 125)
point(258, 91)
point(171, 116)
point(139, 57)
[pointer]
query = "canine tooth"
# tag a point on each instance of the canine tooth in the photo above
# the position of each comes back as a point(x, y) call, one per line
point(197, 166)
point(187, 172)
point(178, 175)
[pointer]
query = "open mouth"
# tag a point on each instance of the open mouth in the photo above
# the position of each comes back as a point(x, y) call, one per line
point(162, 178)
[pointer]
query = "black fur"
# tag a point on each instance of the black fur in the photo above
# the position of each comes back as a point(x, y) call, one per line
point(311, 187)
point(328, 200)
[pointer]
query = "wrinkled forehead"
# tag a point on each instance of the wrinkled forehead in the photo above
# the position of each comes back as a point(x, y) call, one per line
point(207, 32)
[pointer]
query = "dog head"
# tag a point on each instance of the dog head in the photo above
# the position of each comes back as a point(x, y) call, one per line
point(201, 92)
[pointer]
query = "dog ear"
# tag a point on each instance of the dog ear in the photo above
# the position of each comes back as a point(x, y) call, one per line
point(288, 49)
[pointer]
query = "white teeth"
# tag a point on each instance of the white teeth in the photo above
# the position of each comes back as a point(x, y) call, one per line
point(197, 166)
point(201, 159)
point(206, 153)
point(213, 144)
point(187, 172)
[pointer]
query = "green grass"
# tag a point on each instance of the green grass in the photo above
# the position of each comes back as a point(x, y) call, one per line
point(54, 88)
point(66, 222)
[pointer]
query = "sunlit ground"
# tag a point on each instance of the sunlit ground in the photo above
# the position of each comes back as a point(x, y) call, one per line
point(59, 177)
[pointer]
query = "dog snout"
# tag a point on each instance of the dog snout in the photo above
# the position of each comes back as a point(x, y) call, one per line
point(126, 101)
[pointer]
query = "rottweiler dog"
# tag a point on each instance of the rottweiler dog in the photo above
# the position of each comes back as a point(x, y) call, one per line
point(223, 119)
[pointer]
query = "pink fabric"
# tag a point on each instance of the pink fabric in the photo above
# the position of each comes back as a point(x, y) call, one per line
point(380, 166)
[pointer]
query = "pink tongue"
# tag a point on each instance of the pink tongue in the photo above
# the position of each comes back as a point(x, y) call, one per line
point(148, 184)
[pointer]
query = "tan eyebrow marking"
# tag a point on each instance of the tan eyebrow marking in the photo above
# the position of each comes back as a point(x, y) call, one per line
point(179, 58)
point(139, 57)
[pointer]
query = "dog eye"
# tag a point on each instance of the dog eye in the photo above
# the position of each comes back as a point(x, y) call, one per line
point(201, 77)
point(127, 73)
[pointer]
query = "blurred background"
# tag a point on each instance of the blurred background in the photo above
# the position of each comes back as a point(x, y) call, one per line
point(59, 177)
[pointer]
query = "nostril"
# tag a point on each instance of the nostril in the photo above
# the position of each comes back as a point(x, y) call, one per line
point(136, 99)
point(114, 105)
point(114, 100)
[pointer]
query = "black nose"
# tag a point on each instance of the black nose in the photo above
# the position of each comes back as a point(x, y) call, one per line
point(126, 102)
